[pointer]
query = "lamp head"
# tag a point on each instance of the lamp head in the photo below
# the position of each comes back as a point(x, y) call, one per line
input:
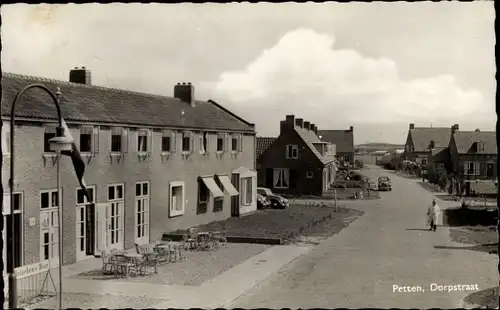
point(61, 142)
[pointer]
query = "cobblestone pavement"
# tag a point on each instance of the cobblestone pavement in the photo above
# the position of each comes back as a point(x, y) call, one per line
point(198, 267)
point(94, 301)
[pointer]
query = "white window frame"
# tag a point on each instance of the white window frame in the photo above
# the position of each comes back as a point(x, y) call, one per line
point(236, 137)
point(121, 238)
point(94, 140)
point(148, 133)
point(172, 211)
point(124, 140)
point(222, 136)
point(145, 201)
point(480, 146)
point(52, 229)
point(244, 181)
point(6, 138)
point(171, 134)
point(204, 136)
point(190, 135)
point(292, 151)
point(475, 168)
point(309, 174)
point(78, 207)
point(283, 172)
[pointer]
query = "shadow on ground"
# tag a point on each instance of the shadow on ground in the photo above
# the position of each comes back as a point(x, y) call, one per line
point(455, 217)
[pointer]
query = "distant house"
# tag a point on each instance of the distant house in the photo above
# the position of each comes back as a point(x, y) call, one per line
point(297, 161)
point(262, 144)
point(344, 142)
point(429, 143)
point(474, 156)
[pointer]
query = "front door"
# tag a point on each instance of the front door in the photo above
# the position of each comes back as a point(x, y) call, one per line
point(85, 225)
point(49, 237)
point(142, 212)
point(489, 170)
point(13, 251)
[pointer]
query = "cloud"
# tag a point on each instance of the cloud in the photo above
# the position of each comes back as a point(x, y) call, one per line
point(306, 75)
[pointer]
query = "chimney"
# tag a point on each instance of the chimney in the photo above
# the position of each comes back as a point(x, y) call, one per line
point(412, 126)
point(477, 130)
point(351, 129)
point(311, 126)
point(283, 127)
point(432, 144)
point(299, 122)
point(454, 128)
point(306, 125)
point(80, 76)
point(290, 120)
point(185, 93)
point(315, 130)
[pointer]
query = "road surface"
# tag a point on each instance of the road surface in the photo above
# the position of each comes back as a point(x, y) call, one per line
point(387, 247)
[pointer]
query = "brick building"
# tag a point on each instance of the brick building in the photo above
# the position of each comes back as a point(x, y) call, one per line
point(297, 161)
point(156, 163)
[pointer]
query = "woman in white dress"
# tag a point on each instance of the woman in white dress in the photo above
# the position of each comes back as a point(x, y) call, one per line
point(433, 214)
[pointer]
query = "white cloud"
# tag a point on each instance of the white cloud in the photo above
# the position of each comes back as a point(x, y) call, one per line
point(305, 75)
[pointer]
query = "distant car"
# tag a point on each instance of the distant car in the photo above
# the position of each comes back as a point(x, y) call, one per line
point(372, 185)
point(262, 202)
point(277, 201)
point(384, 183)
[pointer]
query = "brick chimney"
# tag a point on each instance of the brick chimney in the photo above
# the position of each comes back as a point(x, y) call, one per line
point(80, 76)
point(412, 126)
point(351, 129)
point(454, 128)
point(290, 120)
point(315, 129)
point(185, 92)
point(299, 122)
point(307, 125)
point(432, 144)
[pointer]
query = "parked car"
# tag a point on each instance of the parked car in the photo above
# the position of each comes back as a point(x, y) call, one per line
point(384, 183)
point(262, 202)
point(277, 201)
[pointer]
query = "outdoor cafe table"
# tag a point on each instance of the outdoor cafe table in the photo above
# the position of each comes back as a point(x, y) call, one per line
point(165, 248)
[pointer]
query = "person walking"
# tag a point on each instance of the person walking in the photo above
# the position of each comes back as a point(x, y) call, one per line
point(433, 214)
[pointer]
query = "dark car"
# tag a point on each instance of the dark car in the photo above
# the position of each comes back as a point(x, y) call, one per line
point(262, 202)
point(277, 201)
point(384, 184)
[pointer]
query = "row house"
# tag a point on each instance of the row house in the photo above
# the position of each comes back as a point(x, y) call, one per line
point(429, 144)
point(297, 161)
point(344, 144)
point(156, 163)
point(474, 155)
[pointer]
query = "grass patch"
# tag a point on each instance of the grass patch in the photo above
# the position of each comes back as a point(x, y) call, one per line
point(286, 224)
point(487, 298)
point(469, 217)
point(483, 238)
point(433, 188)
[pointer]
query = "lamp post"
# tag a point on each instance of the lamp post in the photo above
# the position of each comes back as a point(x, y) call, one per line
point(60, 134)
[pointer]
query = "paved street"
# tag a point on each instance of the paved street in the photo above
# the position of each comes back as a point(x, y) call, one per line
point(387, 246)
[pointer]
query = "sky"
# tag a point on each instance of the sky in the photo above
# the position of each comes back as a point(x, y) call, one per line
point(376, 66)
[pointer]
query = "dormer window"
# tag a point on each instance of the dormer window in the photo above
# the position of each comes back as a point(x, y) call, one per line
point(292, 151)
point(480, 146)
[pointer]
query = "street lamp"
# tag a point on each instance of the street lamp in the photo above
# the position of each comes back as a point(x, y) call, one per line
point(58, 144)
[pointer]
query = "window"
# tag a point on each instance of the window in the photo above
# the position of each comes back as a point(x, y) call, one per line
point(218, 201)
point(143, 140)
point(86, 139)
point(168, 141)
point(281, 178)
point(50, 132)
point(247, 191)
point(234, 143)
point(177, 198)
point(424, 162)
point(81, 199)
point(347, 159)
point(220, 143)
point(6, 138)
point(204, 142)
point(49, 235)
point(480, 146)
point(186, 141)
point(309, 174)
point(292, 151)
point(119, 140)
point(49, 199)
point(115, 192)
point(142, 212)
point(471, 168)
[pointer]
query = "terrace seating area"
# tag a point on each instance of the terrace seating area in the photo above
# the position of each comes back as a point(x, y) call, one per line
point(148, 257)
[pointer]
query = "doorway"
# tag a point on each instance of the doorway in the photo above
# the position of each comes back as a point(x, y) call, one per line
point(13, 251)
point(85, 224)
point(489, 171)
point(114, 217)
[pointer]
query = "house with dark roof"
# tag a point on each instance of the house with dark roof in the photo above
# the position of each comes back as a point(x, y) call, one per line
point(344, 143)
point(263, 143)
point(154, 164)
point(429, 144)
point(474, 157)
point(297, 162)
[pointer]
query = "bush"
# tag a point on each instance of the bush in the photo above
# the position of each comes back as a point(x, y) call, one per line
point(348, 184)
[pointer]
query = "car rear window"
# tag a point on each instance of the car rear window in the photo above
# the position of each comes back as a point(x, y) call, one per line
point(383, 179)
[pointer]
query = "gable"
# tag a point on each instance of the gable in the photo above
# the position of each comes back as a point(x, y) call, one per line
point(262, 144)
point(422, 137)
point(343, 139)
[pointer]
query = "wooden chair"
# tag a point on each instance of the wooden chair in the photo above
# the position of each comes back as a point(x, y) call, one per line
point(108, 263)
point(123, 265)
point(192, 238)
point(149, 261)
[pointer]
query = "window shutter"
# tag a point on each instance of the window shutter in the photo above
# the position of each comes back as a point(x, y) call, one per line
point(150, 140)
point(124, 140)
point(225, 138)
point(173, 142)
point(95, 139)
point(192, 137)
point(240, 143)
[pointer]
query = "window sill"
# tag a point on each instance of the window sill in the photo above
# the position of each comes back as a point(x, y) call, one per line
point(143, 153)
point(116, 153)
point(87, 154)
point(177, 214)
point(186, 152)
point(49, 155)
